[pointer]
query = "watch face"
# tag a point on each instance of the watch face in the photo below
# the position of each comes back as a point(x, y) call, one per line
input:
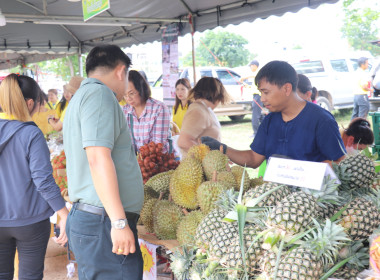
point(119, 224)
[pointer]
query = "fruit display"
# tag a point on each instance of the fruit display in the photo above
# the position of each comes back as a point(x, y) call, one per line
point(152, 160)
point(59, 170)
point(287, 232)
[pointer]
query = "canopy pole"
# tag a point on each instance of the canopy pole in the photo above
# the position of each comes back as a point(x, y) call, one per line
point(192, 46)
point(80, 60)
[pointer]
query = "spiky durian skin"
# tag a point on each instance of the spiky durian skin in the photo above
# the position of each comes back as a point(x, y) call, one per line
point(214, 161)
point(222, 238)
point(149, 193)
point(185, 181)
point(160, 182)
point(166, 216)
point(270, 200)
point(360, 218)
point(227, 178)
point(198, 152)
point(237, 170)
point(209, 223)
point(254, 182)
point(362, 170)
point(207, 193)
point(294, 213)
point(146, 214)
point(253, 251)
point(187, 227)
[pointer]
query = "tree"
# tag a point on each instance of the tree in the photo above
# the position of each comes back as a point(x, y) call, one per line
point(359, 25)
point(228, 47)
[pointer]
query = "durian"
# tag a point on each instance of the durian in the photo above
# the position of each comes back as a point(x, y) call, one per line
point(198, 151)
point(160, 182)
point(214, 161)
point(237, 170)
point(187, 227)
point(166, 216)
point(146, 214)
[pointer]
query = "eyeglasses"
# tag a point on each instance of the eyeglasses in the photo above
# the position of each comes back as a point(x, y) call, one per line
point(131, 94)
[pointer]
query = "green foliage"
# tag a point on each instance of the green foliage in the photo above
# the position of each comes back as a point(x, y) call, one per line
point(359, 25)
point(228, 47)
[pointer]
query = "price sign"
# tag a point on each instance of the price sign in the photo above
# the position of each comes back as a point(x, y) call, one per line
point(92, 8)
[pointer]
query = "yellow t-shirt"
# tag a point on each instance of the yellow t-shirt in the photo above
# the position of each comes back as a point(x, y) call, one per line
point(4, 116)
point(50, 105)
point(63, 114)
point(178, 117)
point(41, 120)
point(58, 113)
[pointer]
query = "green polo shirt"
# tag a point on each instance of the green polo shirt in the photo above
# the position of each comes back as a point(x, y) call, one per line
point(94, 118)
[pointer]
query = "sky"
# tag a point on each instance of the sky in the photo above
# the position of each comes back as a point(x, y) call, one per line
point(315, 30)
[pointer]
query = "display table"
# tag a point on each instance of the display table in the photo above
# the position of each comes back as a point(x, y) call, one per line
point(151, 238)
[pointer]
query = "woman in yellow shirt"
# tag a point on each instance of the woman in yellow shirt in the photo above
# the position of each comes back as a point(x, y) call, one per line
point(68, 92)
point(182, 87)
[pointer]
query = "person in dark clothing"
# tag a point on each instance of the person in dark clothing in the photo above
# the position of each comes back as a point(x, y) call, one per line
point(28, 192)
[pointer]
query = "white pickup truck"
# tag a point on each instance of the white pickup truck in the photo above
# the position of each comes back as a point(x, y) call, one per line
point(332, 76)
point(242, 98)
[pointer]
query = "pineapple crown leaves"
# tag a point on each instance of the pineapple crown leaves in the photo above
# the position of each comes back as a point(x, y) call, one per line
point(357, 254)
point(181, 261)
point(325, 240)
point(328, 195)
point(227, 200)
point(373, 195)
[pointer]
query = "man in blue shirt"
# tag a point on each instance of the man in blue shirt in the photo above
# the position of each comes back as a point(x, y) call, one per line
point(295, 128)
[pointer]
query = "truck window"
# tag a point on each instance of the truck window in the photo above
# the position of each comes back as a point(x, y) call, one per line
point(307, 67)
point(339, 65)
point(354, 63)
point(206, 73)
point(228, 78)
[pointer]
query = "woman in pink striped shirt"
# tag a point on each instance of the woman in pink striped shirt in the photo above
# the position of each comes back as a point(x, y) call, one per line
point(148, 119)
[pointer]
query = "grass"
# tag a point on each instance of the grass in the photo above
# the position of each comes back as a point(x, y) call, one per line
point(236, 134)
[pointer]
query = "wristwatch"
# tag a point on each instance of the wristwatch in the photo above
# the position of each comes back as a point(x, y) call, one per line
point(119, 224)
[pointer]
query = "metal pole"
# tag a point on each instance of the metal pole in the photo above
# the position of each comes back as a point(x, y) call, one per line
point(80, 60)
point(193, 56)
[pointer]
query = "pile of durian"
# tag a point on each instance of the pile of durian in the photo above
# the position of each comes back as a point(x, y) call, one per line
point(176, 201)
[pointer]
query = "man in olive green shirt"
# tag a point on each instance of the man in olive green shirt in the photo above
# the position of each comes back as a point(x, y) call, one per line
point(104, 179)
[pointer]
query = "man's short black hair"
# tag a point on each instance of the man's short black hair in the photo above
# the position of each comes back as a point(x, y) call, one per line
point(107, 56)
point(362, 61)
point(254, 62)
point(278, 73)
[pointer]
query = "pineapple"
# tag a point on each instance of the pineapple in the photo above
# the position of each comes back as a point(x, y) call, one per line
point(355, 171)
point(270, 200)
point(213, 220)
point(294, 213)
point(361, 217)
point(318, 250)
point(181, 261)
point(253, 252)
point(222, 238)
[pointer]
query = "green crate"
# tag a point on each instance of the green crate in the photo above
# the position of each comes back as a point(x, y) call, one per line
point(376, 149)
point(376, 126)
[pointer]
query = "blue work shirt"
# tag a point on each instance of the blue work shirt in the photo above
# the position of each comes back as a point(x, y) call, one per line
point(313, 135)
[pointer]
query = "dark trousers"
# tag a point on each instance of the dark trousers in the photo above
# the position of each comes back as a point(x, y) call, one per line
point(361, 106)
point(31, 243)
point(90, 240)
point(257, 117)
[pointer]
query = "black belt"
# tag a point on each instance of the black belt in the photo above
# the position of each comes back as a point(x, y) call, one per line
point(101, 211)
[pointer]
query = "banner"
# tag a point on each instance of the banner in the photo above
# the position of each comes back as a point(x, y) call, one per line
point(149, 255)
point(169, 62)
point(92, 8)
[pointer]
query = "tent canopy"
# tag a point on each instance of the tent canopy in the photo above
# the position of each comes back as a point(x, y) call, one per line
point(37, 30)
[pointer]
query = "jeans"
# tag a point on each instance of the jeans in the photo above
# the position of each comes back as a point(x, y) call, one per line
point(31, 243)
point(361, 106)
point(90, 240)
point(257, 117)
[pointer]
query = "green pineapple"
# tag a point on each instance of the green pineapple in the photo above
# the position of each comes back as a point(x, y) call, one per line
point(317, 251)
point(222, 238)
point(294, 213)
point(270, 200)
point(355, 171)
point(181, 261)
point(253, 252)
point(213, 220)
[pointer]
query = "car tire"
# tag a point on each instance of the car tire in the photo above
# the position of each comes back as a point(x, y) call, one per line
point(324, 103)
point(236, 118)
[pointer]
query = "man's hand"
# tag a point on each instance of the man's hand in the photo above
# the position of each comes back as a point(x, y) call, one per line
point(123, 241)
point(213, 143)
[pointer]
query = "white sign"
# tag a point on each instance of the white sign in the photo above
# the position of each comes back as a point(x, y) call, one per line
point(306, 174)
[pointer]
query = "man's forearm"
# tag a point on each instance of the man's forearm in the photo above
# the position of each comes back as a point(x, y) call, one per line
point(242, 158)
point(104, 176)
